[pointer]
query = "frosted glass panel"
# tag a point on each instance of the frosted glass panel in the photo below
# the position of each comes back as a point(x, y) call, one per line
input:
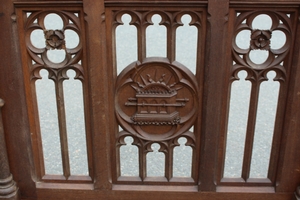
point(186, 44)
point(156, 38)
point(74, 109)
point(47, 109)
point(126, 43)
point(129, 158)
point(182, 161)
point(237, 126)
point(265, 121)
point(155, 162)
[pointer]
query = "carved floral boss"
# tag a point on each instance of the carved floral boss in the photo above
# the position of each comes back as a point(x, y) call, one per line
point(278, 30)
point(55, 39)
point(260, 39)
point(156, 99)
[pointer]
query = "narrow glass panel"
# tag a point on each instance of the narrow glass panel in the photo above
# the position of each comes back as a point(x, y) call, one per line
point(74, 109)
point(129, 158)
point(186, 44)
point(265, 121)
point(47, 109)
point(156, 43)
point(155, 162)
point(237, 126)
point(182, 159)
point(126, 43)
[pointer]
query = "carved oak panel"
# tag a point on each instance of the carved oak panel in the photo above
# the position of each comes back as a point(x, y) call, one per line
point(156, 100)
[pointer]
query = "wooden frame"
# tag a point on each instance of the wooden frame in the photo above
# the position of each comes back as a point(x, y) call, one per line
point(97, 23)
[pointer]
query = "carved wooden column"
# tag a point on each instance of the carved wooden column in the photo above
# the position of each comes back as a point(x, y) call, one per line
point(8, 188)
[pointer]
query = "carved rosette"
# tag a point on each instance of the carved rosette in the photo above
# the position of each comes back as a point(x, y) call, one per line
point(261, 40)
point(156, 100)
point(54, 40)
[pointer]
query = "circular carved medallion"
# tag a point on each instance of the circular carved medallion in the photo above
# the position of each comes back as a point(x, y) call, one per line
point(156, 99)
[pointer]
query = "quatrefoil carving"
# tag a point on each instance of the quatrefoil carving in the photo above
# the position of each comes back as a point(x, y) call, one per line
point(262, 39)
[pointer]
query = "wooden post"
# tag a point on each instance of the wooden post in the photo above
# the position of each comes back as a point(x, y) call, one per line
point(8, 187)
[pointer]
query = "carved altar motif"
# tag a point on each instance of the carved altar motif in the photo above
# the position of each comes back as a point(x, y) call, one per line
point(156, 102)
point(156, 95)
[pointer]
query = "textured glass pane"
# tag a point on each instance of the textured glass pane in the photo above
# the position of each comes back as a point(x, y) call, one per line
point(265, 121)
point(74, 109)
point(182, 161)
point(156, 38)
point(129, 158)
point(47, 109)
point(126, 43)
point(155, 162)
point(237, 126)
point(186, 44)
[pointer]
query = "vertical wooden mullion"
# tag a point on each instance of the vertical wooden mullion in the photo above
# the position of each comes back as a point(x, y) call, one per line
point(226, 95)
point(142, 162)
point(62, 128)
point(101, 82)
point(169, 163)
point(86, 92)
point(214, 87)
point(250, 130)
point(37, 138)
point(200, 56)
point(141, 36)
point(171, 42)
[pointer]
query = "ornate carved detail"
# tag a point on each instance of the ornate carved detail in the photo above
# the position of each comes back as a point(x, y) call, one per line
point(162, 95)
point(156, 99)
point(55, 39)
point(169, 19)
point(260, 39)
point(165, 101)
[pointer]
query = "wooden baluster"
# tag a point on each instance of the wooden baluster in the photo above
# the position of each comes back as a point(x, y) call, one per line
point(8, 188)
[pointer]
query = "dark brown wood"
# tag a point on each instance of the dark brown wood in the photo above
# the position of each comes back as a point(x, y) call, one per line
point(203, 96)
point(8, 187)
point(217, 22)
point(17, 134)
point(297, 193)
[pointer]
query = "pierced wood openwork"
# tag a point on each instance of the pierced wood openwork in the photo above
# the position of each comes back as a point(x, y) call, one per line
point(38, 59)
point(156, 102)
point(157, 99)
point(275, 59)
point(150, 100)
